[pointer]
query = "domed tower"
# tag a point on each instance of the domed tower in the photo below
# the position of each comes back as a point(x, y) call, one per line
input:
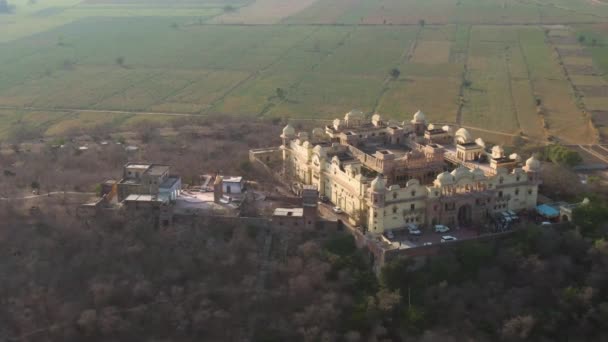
point(377, 192)
point(498, 152)
point(532, 169)
point(288, 134)
point(419, 123)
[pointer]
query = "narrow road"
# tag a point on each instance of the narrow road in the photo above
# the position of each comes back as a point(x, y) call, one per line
point(100, 111)
point(593, 153)
point(50, 194)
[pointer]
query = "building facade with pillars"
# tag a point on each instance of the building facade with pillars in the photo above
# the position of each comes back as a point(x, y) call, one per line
point(386, 175)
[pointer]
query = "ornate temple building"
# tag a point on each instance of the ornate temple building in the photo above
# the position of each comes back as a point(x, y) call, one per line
point(386, 175)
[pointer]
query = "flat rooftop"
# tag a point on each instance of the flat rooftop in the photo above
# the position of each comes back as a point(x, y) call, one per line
point(158, 170)
point(485, 167)
point(289, 212)
point(232, 179)
point(169, 182)
point(397, 150)
point(342, 156)
point(138, 166)
point(141, 198)
point(130, 181)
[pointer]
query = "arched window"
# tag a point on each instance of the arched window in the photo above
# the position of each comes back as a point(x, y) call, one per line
point(500, 180)
point(394, 195)
point(394, 209)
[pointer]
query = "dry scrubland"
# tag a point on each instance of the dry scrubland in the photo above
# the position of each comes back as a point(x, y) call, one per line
point(470, 62)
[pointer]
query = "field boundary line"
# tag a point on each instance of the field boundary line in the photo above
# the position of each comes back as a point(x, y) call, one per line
point(578, 98)
point(406, 56)
point(341, 43)
point(531, 82)
point(177, 91)
point(253, 75)
point(593, 153)
point(465, 73)
point(507, 59)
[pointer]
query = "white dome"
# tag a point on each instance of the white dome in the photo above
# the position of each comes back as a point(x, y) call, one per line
point(498, 148)
point(461, 172)
point(478, 174)
point(378, 184)
point(430, 127)
point(318, 133)
point(498, 151)
point(445, 178)
point(532, 164)
point(463, 136)
point(288, 131)
point(419, 117)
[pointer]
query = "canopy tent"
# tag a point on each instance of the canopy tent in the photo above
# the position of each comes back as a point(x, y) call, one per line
point(547, 211)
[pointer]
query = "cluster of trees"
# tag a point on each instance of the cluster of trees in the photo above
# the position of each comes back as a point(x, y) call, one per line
point(119, 279)
point(191, 146)
point(562, 155)
point(540, 285)
point(200, 280)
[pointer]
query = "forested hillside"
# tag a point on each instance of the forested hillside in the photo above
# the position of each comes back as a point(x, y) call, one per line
point(118, 280)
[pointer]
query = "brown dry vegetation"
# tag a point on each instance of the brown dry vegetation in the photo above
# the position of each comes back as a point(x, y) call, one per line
point(191, 146)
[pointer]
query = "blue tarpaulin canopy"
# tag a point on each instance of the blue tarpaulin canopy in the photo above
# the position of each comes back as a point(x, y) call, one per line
point(547, 211)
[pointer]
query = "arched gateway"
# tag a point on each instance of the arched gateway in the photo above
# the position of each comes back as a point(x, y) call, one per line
point(464, 215)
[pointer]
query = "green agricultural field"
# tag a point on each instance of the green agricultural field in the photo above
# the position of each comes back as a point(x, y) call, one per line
point(468, 62)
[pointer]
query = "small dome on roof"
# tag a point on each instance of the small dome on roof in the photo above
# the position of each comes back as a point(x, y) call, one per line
point(498, 151)
point(289, 131)
point(461, 172)
point(419, 117)
point(445, 178)
point(318, 132)
point(378, 183)
point(463, 136)
point(478, 174)
point(430, 127)
point(532, 164)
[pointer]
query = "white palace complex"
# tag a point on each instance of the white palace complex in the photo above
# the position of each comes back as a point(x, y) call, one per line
point(385, 175)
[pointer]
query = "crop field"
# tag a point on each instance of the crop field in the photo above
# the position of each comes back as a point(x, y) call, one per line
point(72, 64)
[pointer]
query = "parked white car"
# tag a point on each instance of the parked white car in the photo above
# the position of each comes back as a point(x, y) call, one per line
point(338, 210)
point(413, 229)
point(427, 244)
point(546, 223)
point(448, 238)
point(441, 228)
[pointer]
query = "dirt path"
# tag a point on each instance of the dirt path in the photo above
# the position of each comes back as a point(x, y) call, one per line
point(270, 104)
point(50, 194)
point(463, 81)
point(405, 57)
